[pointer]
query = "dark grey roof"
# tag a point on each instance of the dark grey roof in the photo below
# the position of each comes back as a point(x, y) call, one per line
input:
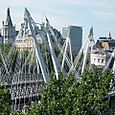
point(112, 43)
point(97, 51)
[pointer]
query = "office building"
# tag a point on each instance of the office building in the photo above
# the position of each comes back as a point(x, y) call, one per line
point(75, 34)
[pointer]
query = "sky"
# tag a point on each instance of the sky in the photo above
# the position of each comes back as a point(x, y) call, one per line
point(85, 13)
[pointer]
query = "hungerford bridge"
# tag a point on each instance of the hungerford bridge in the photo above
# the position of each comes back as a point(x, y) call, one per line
point(24, 72)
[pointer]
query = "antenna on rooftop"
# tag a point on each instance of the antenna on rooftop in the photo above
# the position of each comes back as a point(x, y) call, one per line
point(109, 34)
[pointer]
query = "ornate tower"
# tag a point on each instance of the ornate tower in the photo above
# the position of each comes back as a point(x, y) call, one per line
point(8, 30)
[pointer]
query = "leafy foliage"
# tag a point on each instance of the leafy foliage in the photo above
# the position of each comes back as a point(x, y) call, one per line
point(94, 86)
point(67, 96)
point(5, 98)
point(58, 96)
point(5, 48)
point(18, 113)
point(33, 110)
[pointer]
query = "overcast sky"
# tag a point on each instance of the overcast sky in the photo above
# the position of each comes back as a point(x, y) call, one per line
point(85, 13)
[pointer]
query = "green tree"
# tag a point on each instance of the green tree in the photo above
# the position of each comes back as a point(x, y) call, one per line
point(5, 48)
point(5, 101)
point(91, 92)
point(58, 96)
point(66, 96)
point(18, 113)
point(33, 110)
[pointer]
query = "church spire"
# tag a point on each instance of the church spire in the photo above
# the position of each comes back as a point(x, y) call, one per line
point(8, 19)
point(8, 12)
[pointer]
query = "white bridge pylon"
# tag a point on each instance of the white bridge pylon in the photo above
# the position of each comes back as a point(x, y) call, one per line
point(32, 25)
point(50, 45)
point(64, 59)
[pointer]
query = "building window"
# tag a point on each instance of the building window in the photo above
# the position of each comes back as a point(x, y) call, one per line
point(102, 60)
point(94, 59)
point(98, 60)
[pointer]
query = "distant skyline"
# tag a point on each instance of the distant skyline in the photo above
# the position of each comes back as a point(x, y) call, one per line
point(85, 13)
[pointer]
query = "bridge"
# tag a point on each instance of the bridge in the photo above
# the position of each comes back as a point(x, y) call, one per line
point(24, 72)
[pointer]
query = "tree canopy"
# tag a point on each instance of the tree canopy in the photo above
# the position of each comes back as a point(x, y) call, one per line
point(5, 101)
point(68, 97)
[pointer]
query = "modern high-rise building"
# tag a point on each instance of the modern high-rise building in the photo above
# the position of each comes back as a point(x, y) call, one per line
point(8, 30)
point(75, 34)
